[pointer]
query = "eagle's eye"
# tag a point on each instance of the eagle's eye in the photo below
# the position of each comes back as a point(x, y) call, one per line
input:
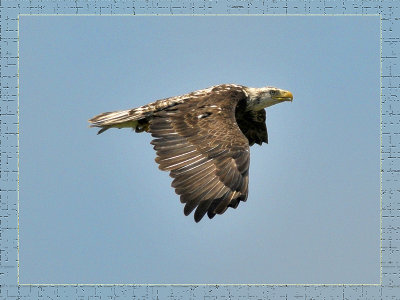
point(272, 92)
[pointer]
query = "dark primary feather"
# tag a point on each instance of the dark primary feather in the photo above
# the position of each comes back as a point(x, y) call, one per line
point(207, 154)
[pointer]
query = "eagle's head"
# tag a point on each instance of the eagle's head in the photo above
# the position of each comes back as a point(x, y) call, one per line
point(259, 98)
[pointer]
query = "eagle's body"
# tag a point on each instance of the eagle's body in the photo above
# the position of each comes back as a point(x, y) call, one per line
point(202, 139)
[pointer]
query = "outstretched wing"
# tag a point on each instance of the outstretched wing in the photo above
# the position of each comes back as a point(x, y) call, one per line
point(201, 145)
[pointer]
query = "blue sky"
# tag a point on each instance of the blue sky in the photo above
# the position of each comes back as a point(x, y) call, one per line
point(96, 209)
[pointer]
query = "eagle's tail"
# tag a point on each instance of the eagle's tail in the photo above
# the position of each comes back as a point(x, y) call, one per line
point(131, 118)
point(136, 118)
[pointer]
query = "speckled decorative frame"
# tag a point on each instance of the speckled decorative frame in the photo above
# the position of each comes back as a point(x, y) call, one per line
point(389, 285)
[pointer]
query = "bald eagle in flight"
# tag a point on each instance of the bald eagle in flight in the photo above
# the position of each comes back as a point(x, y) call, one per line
point(203, 139)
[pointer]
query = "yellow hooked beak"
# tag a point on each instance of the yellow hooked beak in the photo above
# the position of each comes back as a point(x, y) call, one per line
point(283, 96)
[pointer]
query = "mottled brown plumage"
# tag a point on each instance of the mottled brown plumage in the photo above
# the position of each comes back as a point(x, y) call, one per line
point(203, 139)
point(212, 171)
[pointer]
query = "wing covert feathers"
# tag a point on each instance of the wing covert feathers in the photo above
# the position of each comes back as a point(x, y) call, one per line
point(201, 145)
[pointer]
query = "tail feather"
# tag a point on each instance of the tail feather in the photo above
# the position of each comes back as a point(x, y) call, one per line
point(111, 118)
point(102, 129)
point(116, 119)
point(136, 118)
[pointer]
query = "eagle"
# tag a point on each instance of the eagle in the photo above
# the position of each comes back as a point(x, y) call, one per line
point(203, 140)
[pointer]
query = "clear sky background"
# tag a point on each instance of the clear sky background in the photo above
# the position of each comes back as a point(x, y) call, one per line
point(96, 209)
